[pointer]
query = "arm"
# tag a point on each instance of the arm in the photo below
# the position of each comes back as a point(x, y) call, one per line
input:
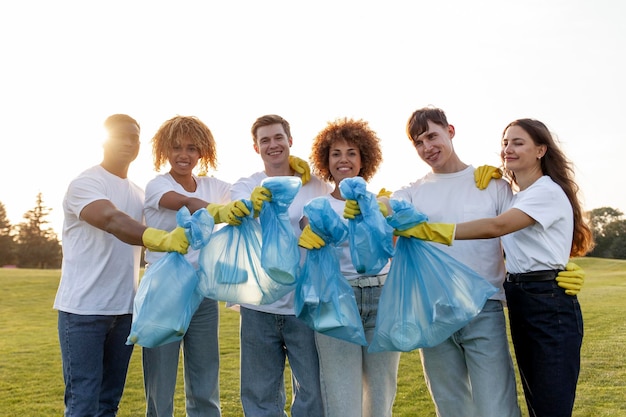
point(105, 216)
point(508, 222)
point(174, 201)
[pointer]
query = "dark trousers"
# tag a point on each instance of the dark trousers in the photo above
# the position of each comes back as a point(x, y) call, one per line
point(547, 332)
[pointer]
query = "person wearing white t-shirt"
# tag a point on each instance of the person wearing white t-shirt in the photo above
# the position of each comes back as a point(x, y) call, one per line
point(270, 334)
point(184, 142)
point(540, 229)
point(355, 382)
point(103, 232)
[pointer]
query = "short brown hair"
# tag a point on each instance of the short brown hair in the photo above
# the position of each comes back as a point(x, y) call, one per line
point(268, 120)
point(418, 122)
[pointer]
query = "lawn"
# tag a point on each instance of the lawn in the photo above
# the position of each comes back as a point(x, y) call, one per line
point(32, 385)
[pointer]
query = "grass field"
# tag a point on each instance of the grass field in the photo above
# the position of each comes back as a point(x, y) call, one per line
point(31, 383)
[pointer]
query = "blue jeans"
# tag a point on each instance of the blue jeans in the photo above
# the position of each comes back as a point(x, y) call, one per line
point(201, 368)
point(356, 383)
point(267, 340)
point(471, 373)
point(547, 333)
point(95, 361)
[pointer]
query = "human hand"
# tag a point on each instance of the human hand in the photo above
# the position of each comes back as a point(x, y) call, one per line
point(384, 193)
point(161, 241)
point(484, 174)
point(232, 212)
point(258, 196)
point(571, 279)
point(309, 239)
point(301, 167)
point(433, 232)
point(351, 209)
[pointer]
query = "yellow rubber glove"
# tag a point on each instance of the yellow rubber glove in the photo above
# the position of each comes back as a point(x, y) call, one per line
point(309, 239)
point(484, 174)
point(571, 279)
point(384, 193)
point(230, 213)
point(352, 209)
point(433, 232)
point(301, 167)
point(258, 196)
point(161, 241)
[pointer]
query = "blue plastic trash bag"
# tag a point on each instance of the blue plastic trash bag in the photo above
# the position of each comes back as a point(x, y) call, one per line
point(167, 298)
point(371, 238)
point(428, 294)
point(324, 299)
point(230, 266)
point(280, 255)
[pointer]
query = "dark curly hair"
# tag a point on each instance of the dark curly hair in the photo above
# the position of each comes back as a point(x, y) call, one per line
point(354, 132)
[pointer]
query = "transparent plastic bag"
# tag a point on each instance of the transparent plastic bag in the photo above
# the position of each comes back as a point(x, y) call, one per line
point(371, 238)
point(324, 299)
point(230, 266)
point(428, 294)
point(280, 256)
point(167, 297)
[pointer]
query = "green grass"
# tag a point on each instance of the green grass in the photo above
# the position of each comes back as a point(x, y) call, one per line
point(31, 383)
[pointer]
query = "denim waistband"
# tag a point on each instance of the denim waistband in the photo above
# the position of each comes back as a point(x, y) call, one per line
point(533, 276)
point(373, 281)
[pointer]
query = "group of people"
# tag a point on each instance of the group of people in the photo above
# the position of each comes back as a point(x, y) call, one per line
point(518, 233)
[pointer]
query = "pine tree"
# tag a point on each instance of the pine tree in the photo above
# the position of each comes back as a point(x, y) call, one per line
point(7, 241)
point(38, 245)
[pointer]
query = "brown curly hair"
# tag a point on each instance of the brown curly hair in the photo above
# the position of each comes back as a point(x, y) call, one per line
point(170, 133)
point(354, 132)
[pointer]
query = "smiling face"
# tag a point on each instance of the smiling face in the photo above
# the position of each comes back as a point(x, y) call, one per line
point(519, 152)
point(273, 144)
point(183, 157)
point(435, 148)
point(344, 161)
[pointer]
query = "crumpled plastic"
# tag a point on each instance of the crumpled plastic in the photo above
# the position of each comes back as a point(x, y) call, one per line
point(428, 294)
point(167, 299)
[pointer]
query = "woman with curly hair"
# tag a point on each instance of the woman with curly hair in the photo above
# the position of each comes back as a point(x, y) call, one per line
point(355, 383)
point(185, 142)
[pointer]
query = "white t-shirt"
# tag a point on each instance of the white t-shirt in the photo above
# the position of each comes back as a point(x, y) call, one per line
point(454, 198)
point(345, 259)
point(547, 243)
point(100, 273)
point(209, 189)
point(314, 188)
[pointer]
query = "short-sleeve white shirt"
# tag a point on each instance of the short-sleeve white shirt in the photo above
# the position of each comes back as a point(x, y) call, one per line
point(99, 273)
point(210, 189)
point(547, 243)
point(454, 198)
point(314, 188)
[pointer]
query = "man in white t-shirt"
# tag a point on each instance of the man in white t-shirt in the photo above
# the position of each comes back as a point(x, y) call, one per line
point(103, 232)
point(272, 333)
point(471, 373)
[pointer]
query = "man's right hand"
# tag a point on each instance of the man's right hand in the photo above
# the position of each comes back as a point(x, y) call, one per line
point(258, 196)
point(161, 241)
point(309, 239)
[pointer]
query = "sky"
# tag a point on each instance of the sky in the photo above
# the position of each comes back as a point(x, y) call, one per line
point(67, 65)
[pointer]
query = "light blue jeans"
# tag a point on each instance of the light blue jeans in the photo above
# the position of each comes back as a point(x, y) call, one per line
point(356, 383)
point(95, 362)
point(471, 373)
point(267, 340)
point(201, 368)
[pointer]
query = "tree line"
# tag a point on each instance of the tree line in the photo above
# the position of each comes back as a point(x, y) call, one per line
point(33, 244)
